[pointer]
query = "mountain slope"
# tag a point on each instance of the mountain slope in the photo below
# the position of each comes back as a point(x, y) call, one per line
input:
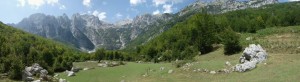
point(19, 49)
point(199, 34)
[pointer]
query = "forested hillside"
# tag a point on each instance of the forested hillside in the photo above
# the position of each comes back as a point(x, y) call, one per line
point(19, 49)
point(200, 33)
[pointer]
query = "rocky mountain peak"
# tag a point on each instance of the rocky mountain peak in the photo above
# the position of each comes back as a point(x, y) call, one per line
point(123, 22)
point(222, 6)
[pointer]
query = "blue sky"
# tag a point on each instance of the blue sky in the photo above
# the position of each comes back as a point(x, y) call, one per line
point(13, 11)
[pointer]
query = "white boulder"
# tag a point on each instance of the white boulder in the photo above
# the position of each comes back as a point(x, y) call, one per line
point(70, 73)
point(102, 65)
point(212, 72)
point(252, 55)
point(62, 80)
point(227, 63)
point(162, 68)
point(170, 71)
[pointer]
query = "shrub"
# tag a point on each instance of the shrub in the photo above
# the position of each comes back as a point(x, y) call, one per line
point(16, 68)
point(231, 42)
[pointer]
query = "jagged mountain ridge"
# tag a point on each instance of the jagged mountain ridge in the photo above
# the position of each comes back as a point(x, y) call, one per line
point(87, 32)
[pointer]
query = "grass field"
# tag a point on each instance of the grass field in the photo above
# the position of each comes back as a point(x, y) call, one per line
point(282, 65)
point(279, 68)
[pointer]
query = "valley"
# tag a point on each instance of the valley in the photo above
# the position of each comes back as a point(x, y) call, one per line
point(206, 41)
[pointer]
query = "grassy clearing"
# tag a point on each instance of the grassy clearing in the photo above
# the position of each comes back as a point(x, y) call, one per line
point(282, 64)
point(279, 68)
point(276, 40)
point(129, 72)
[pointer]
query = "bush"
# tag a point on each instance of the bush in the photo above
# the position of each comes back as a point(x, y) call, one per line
point(16, 68)
point(231, 42)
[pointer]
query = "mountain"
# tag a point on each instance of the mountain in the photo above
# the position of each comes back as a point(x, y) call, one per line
point(222, 6)
point(87, 32)
point(54, 28)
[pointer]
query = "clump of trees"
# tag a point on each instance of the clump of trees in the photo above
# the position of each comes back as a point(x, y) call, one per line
point(102, 54)
point(183, 41)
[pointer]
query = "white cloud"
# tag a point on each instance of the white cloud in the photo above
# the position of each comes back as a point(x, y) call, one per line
point(177, 1)
point(156, 12)
point(86, 3)
point(159, 2)
point(62, 7)
point(128, 17)
point(131, 9)
point(100, 15)
point(167, 8)
point(163, 2)
point(118, 15)
point(52, 2)
point(294, 0)
point(21, 3)
point(135, 2)
point(36, 3)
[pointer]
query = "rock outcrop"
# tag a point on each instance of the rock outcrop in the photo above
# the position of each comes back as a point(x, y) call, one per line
point(252, 55)
point(31, 71)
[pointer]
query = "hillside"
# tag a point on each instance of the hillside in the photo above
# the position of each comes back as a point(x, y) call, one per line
point(202, 32)
point(19, 49)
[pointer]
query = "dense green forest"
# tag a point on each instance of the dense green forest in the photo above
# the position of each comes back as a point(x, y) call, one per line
point(19, 49)
point(253, 19)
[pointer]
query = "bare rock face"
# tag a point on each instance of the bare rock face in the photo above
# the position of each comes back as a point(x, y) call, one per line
point(252, 55)
point(30, 71)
